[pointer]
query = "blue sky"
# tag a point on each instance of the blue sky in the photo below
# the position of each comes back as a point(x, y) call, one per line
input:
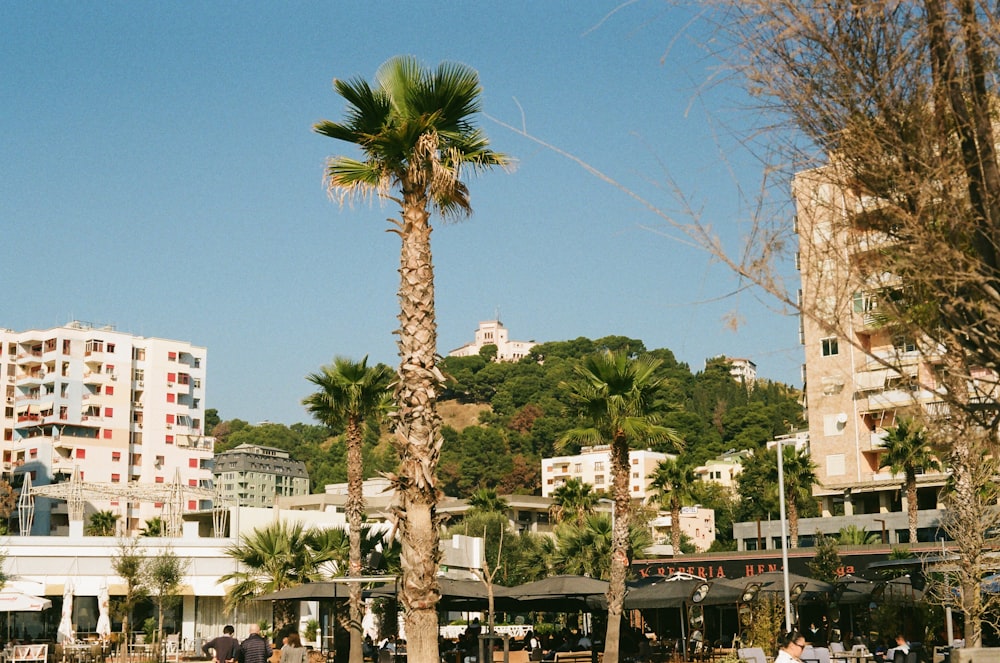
point(160, 174)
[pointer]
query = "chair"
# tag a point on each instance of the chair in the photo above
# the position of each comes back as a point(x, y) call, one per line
point(836, 647)
point(751, 655)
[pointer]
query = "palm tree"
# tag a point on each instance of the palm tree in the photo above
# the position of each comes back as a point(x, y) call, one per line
point(673, 481)
point(415, 130)
point(573, 498)
point(349, 394)
point(614, 396)
point(487, 500)
point(102, 523)
point(799, 475)
point(154, 527)
point(276, 557)
point(906, 451)
point(852, 535)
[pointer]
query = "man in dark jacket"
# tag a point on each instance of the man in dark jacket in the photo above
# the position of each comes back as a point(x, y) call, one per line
point(226, 646)
point(255, 649)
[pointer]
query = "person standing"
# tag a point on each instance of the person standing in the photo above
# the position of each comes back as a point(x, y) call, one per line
point(255, 649)
point(791, 646)
point(293, 651)
point(226, 647)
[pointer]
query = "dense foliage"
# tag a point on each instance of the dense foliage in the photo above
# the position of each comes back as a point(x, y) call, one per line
point(527, 412)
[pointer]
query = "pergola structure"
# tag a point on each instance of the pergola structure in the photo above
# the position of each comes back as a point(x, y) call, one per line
point(76, 492)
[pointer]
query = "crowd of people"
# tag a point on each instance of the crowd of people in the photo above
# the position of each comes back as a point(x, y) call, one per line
point(255, 648)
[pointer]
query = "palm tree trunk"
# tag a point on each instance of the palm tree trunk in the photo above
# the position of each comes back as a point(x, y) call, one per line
point(417, 434)
point(355, 510)
point(911, 504)
point(675, 525)
point(619, 547)
point(793, 521)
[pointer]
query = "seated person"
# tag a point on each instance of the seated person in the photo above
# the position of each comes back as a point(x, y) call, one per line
point(902, 646)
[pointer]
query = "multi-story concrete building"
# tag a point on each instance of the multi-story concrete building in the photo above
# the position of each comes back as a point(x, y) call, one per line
point(852, 397)
point(593, 465)
point(492, 332)
point(114, 408)
point(254, 475)
point(723, 469)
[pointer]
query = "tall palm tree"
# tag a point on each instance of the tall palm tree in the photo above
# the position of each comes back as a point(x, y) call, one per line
point(275, 557)
point(102, 523)
point(348, 394)
point(673, 481)
point(575, 499)
point(614, 397)
point(415, 130)
point(799, 475)
point(906, 451)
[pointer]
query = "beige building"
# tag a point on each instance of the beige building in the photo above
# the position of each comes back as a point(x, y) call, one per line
point(593, 465)
point(492, 332)
point(859, 372)
point(255, 475)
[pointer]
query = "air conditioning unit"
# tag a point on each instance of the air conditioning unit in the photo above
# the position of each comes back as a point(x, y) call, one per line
point(114, 376)
point(140, 383)
point(10, 399)
point(169, 426)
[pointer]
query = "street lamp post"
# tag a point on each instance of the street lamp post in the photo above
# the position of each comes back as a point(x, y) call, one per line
point(784, 535)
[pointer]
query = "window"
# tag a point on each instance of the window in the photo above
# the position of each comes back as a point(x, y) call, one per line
point(830, 347)
point(170, 418)
point(193, 462)
point(599, 480)
point(139, 354)
point(109, 411)
point(171, 377)
point(116, 478)
point(904, 344)
point(635, 461)
point(159, 479)
point(171, 398)
point(109, 390)
point(171, 356)
point(139, 375)
point(81, 453)
point(66, 347)
point(169, 439)
point(193, 483)
point(192, 505)
point(116, 455)
point(33, 453)
point(599, 466)
point(111, 347)
point(107, 433)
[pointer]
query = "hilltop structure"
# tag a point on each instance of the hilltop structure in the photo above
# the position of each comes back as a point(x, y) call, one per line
point(492, 332)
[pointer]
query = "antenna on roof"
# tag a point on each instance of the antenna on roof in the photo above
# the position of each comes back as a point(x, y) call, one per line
point(498, 314)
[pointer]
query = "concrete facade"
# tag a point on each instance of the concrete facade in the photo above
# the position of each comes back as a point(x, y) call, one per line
point(593, 465)
point(254, 475)
point(860, 374)
point(113, 407)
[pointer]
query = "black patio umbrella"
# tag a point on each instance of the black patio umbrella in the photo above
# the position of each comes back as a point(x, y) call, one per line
point(455, 593)
point(309, 591)
point(663, 594)
point(566, 592)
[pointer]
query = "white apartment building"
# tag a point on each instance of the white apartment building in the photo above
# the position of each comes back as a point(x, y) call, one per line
point(114, 408)
point(742, 369)
point(722, 470)
point(593, 465)
point(492, 332)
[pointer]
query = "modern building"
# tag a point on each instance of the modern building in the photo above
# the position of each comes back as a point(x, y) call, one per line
point(108, 407)
point(852, 395)
point(743, 370)
point(696, 522)
point(255, 475)
point(492, 332)
point(723, 469)
point(593, 465)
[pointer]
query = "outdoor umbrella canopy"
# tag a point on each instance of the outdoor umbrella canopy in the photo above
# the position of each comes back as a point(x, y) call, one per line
point(773, 581)
point(65, 631)
point(309, 591)
point(566, 592)
point(104, 619)
point(457, 593)
point(672, 593)
point(13, 601)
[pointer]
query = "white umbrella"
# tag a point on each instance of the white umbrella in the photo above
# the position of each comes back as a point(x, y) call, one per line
point(14, 601)
point(65, 631)
point(104, 620)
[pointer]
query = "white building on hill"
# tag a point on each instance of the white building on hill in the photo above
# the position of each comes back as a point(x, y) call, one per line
point(492, 332)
